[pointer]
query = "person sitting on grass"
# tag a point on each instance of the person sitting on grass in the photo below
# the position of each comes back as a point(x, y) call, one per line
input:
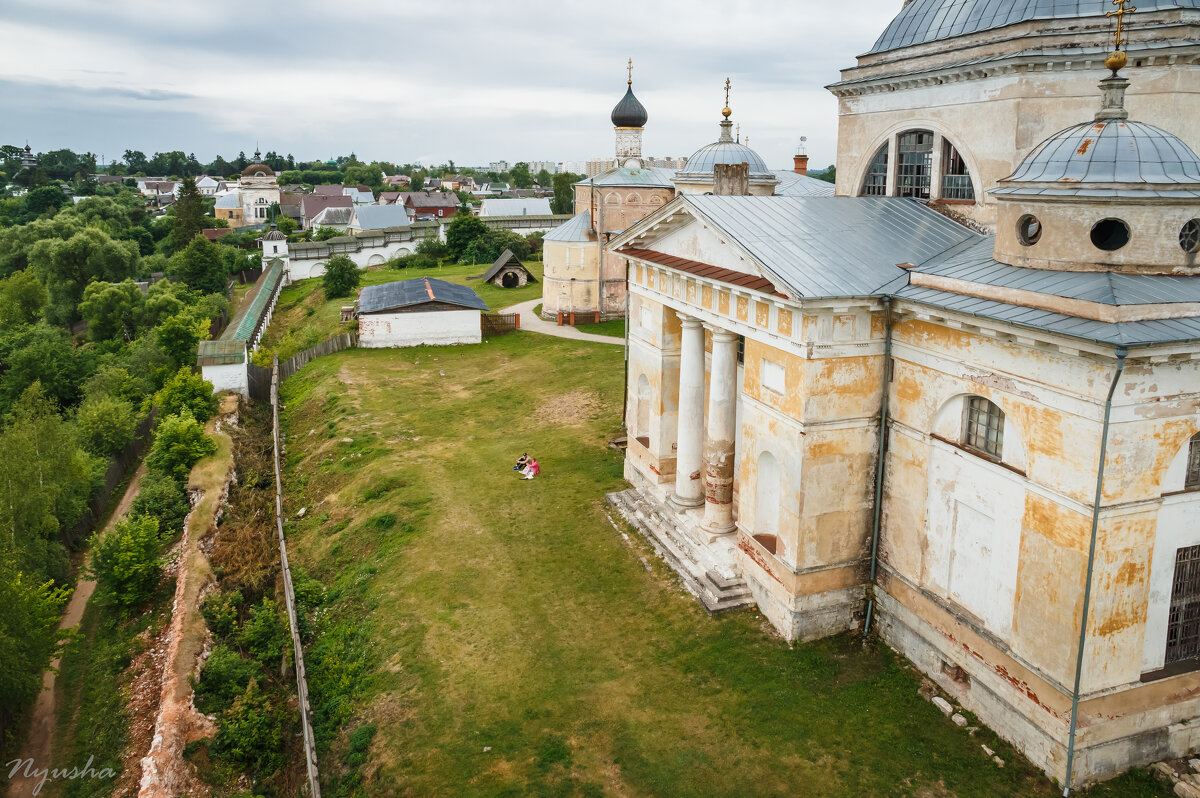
point(531, 469)
point(521, 461)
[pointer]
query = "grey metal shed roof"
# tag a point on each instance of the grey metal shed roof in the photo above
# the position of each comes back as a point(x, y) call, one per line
point(408, 293)
point(575, 229)
point(974, 263)
point(794, 185)
point(380, 217)
point(832, 246)
point(650, 176)
point(1107, 151)
point(924, 21)
point(1128, 333)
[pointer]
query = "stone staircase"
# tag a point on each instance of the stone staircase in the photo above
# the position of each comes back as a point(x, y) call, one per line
point(706, 570)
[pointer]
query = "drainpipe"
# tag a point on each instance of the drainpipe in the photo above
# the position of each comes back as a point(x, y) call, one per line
point(879, 465)
point(625, 395)
point(1087, 587)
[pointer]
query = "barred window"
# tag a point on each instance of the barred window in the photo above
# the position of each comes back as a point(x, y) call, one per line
point(915, 164)
point(1183, 625)
point(983, 427)
point(1192, 480)
point(875, 183)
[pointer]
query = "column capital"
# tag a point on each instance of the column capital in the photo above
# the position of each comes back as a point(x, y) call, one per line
point(721, 335)
point(688, 321)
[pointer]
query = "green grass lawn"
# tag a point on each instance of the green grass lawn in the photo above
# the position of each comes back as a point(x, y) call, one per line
point(500, 637)
point(303, 317)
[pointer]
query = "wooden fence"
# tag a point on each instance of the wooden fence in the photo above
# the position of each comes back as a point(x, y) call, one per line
point(497, 323)
point(335, 344)
point(289, 594)
point(259, 379)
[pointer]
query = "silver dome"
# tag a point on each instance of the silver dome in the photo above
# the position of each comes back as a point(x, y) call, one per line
point(924, 21)
point(1107, 151)
point(704, 160)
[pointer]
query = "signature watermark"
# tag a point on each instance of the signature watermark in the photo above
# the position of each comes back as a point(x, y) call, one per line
point(27, 769)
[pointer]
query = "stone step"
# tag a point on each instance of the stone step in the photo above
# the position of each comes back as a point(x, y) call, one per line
point(673, 544)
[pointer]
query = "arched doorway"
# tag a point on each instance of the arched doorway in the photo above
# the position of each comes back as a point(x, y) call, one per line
point(510, 280)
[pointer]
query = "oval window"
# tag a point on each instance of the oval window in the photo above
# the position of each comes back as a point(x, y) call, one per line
point(1029, 230)
point(1189, 237)
point(1110, 234)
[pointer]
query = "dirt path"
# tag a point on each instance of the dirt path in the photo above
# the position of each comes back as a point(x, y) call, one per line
point(531, 322)
point(40, 740)
point(165, 773)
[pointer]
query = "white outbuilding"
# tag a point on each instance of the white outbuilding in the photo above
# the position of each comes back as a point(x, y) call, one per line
point(421, 311)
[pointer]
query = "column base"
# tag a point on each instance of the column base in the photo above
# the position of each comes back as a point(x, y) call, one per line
point(717, 531)
point(680, 504)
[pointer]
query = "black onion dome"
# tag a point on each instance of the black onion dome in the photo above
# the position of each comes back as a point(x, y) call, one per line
point(629, 112)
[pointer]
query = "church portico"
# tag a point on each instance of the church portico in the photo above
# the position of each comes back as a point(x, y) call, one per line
point(689, 453)
point(721, 430)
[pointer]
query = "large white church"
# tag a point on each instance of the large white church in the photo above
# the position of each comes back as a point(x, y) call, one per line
point(958, 403)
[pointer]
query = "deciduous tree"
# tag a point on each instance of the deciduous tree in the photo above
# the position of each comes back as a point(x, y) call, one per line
point(201, 266)
point(341, 277)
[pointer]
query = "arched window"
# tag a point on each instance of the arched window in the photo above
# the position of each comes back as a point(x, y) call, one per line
point(956, 178)
point(875, 183)
point(1191, 479)
point(766, 503)
point(915, 163)
point(983, 427)
point(642, 428)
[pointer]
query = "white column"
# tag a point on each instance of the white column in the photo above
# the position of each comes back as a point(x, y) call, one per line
point(935, 167)
point(718, 446)
point(689, 452)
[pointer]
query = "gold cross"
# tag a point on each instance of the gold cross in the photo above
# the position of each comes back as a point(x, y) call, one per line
point(1120, 13)
point(726, 92)
point(630, 68)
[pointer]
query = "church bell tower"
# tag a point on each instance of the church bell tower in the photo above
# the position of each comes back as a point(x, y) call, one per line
point(629, 120)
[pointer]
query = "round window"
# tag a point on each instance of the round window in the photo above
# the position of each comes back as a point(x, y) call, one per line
point(1029, 230)
point(1110, 234)
point(1189, 237)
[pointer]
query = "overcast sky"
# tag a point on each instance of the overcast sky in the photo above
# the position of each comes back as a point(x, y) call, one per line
point(468, 80)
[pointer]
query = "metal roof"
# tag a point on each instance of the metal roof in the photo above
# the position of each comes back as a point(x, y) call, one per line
point(1107, 151)
point(527, 206)
point(575, 229)
point(1126, 333)
point(924, 21)
point(832, 246)
point(252, 313)
point(228, 201)
point(794, 185)
point(409, 293)
point(333, 215)
point(649, 176)
point(974, 263)
point(380, 217)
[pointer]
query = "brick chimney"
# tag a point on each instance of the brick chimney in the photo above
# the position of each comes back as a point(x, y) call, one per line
point(801, 164)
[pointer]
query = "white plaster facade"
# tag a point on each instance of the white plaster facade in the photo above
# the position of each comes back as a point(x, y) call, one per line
point(430, 327)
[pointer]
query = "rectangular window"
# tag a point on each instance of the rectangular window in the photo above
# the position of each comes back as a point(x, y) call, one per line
point(1183, 625)
point(984, 426)
point(772, 376)
point(1192, 480)
point(915, 164)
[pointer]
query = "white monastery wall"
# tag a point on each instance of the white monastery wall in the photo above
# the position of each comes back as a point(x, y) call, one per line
point(431, 328)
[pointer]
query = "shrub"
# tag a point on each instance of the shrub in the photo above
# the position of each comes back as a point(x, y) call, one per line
point(161, 496)
point(251, 731)
point(433, 247)
point(188, 391)
point(220, 609)
point(416, 261)
point(178, 444)
point(341, 277)
point(264, 633)
point(106, 424)
point(125, 560)
point(224, 676)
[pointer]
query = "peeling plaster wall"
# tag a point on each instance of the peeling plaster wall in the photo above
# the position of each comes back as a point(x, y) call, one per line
point(438, 328)
point(567, 261)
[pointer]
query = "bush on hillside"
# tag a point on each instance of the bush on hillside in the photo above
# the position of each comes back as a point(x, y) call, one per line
point(341, 277)
point(106, 424)
point(163, 497)
point(178, 444)
point(251, 732)
point(264, 633)
point(126, 562)
point(187, 391)
point(224, 677)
